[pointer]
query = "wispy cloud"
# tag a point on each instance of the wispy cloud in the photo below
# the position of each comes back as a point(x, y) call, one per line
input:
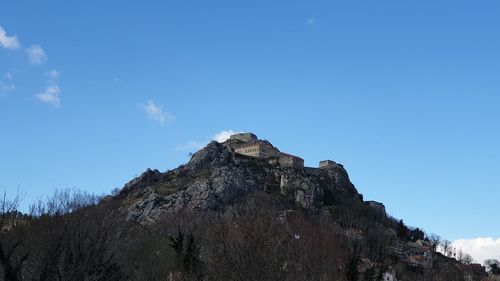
point(156, 113)
point(8, 42)
point(53, 74)
point(36, 54)
point(6, 85)
point(191, 145)
point(50, 96)
point(221, 136)
point(5, 88)
point(311, 20)
point(480, 249)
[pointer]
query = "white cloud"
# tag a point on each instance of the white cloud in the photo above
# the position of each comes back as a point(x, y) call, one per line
point(50, 96)
point(36, 54)
point(8, 42)
point(51, 93)
point(156, 113)
point(222, 136)
point(480, 249)
point(53, 74)
point(5, 88)
point(6, 85)
point(311, 20)
point(190, 145)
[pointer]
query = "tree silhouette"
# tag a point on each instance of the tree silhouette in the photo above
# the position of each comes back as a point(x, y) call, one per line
point(186, 252)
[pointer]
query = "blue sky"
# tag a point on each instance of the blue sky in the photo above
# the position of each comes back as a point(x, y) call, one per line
point(404, 93)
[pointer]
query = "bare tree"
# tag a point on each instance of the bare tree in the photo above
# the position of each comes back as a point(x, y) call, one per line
point(435, 241)
point(446, 247)
point(460, 255)
point(72, 240)
point(12, 257)
point(492, 266)
point(463, 257)
point(467, 259)
point(66, 237)
point(252, 247)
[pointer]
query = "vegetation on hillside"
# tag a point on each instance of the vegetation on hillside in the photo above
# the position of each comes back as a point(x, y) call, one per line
point(76, 236)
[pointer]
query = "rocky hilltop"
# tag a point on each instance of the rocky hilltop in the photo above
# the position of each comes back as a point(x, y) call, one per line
point(238, 210)
point(217, 176)
point(297, 203)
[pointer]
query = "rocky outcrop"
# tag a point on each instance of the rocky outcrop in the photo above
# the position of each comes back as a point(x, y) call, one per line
point(148, 178)
point(216, 177)
point(304, 189)
point(214, 154)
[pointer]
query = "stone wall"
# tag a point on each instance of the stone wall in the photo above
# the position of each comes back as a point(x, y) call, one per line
point(329, 164)
point(325, 164)
point(259, 150)
point(249, 150)
point(290, 161)
point(264, 150)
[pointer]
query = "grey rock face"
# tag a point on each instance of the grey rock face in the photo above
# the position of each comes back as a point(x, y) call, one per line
point(216, 177)
point(305, 189)
point(214, 154)
point(149, 177)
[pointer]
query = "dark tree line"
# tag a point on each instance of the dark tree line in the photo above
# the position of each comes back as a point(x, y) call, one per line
point(77, 236)
point(63, 238)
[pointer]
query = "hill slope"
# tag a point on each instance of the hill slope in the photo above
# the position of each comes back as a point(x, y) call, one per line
point(216, 177)
point(223, 216)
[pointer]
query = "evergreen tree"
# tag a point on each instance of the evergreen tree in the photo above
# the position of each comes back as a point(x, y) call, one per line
point(352, 269)
point(186, 252)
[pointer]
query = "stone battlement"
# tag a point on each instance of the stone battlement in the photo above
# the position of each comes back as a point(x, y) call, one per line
point(329, 164)
point(262, 149)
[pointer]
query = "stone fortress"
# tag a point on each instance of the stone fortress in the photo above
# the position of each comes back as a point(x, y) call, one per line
point(248, 144)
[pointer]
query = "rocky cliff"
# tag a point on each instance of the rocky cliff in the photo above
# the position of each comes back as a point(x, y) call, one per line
point(217, 177)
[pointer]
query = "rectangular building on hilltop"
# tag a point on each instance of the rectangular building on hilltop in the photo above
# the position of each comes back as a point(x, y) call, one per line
point(328, 164)
point(258, 150)
point(290, 161)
